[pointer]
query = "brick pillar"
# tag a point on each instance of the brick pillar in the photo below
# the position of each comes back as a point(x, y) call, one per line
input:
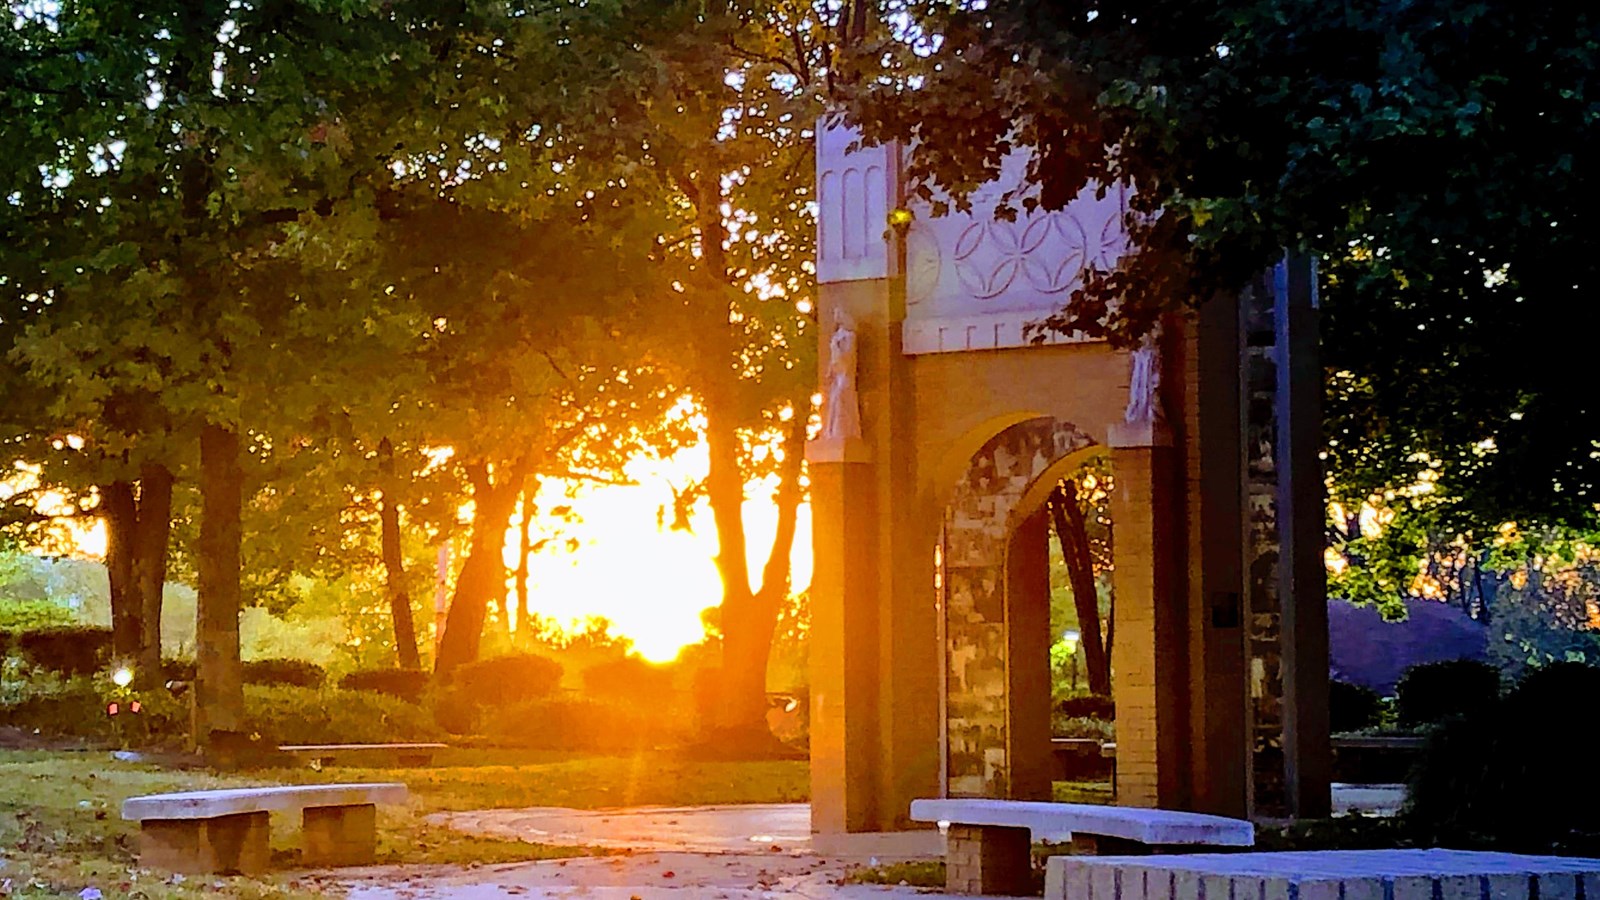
point(339, 835)
point(1149, 659)
point(844, 634)
point(987, 860)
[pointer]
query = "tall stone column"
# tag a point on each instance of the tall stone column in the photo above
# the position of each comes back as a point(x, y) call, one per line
point(1302, 511)
point(844, 630)
point(1149, 659)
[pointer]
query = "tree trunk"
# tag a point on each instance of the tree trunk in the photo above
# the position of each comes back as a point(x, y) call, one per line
point(219, 689)
point(524, 549)
point(1074, 540)
point(150, 565)
point(119, 510)
point(483, 574)
point(394, 580)
point(749, 618)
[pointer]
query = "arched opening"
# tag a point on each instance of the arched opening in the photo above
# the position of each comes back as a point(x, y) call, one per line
point(1005, 608)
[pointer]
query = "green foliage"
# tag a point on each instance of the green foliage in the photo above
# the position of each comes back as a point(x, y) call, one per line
point(1087, 705)
point(629, 678)
point(1546, 619)
point(505, 680)
point(300, 715)
point(404, 684)
point(290, 672)
point(1091, 727)
point(71, 650)
point(1434, 692)
point(31, 615)
point(77, 707)
point(574, 723)
point(1433, 156)
point(1352, 707)
point(1510, 774)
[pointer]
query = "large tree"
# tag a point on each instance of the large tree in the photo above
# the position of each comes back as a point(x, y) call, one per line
point(1435, 156)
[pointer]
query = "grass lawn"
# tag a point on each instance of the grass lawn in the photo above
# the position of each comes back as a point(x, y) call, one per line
point(60, 829)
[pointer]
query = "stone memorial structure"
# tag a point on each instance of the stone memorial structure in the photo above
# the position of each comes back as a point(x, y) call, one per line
point(947, 421)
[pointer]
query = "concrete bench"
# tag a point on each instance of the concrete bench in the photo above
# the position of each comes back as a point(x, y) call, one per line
point(1324, 875)
point(988, 842)
point(402, 755)
point(226, 831)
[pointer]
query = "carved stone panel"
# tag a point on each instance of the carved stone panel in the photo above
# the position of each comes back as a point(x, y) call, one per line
point(856, 189)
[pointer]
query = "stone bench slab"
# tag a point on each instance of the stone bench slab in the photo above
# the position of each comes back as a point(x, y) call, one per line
point(1156, 827)
point(237, 801)
point(1330, 874)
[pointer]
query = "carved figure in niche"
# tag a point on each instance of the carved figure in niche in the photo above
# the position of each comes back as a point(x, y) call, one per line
point(841, 406)
point(1144, 383)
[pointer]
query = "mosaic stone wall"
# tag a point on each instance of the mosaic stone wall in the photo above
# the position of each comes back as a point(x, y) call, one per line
point(978, 522)
point(1268, 789)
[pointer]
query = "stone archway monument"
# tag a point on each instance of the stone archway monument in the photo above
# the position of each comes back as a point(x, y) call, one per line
point(944, 428)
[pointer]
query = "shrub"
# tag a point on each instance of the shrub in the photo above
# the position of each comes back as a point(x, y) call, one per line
point(575, 723)
point(295, 672)
point(1083, 727)
point(1089, 706)
point(507, 680)
point(287, 714)
point(177, 670)
point(74, 650)
point(77, 707)
point(31, 615)
point(406, 684)
point(628, 678)
point(1433, 692)
point(1511, 774)
point(1352, 707)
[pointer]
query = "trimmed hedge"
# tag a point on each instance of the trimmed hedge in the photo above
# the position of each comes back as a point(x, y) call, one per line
point(77, 707)
point(285, 714)
point(1089, 706)
point(1433, 692)
point(292, 672)
point(628, 678)
point(1512, 774)
point(574, 723)
point(1352, 707)
point(406, 684)
point(507, 680)
point(74, 650)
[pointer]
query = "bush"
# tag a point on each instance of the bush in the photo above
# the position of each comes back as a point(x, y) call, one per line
point(285, 714)
point(77, 707)
point(508, 680)
point(1511, 774)
point(628, 678)
point(406, 684)
point(31, 615)
point(573, 723)
point(1433, 692)
point(1352, 707)
point(177, 670)
point(1089, 706)
point(294, 672)
point(1083, 727)
point(75, 650)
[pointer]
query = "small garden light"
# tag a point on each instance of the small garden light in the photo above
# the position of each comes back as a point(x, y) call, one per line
point(122, 677)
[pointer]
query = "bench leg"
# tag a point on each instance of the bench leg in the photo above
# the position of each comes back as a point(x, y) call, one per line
point(340, 835)
point(228, 845)
point(986, 859)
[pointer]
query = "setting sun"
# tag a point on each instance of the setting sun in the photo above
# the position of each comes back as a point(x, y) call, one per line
point(650, 582)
